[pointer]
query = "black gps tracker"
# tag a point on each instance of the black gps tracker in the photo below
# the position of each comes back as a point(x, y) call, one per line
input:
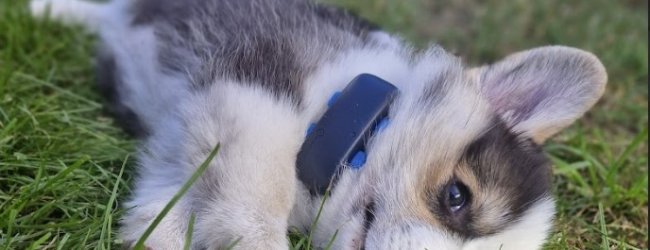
point(338, 139)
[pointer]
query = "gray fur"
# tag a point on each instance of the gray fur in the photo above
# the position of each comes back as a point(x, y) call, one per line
point(255, 42)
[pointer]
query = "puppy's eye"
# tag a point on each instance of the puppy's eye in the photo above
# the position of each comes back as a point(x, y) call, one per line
point(457, 196)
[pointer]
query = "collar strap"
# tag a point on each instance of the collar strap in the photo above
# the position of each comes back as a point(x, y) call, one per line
point(339, 138)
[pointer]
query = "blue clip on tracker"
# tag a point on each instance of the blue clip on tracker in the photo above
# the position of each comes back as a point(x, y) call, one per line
point(339, 137)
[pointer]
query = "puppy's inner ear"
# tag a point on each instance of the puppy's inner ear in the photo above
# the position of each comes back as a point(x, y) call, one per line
point(541, 91)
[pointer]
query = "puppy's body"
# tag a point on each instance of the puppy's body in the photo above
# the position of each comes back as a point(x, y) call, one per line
point(253, 74)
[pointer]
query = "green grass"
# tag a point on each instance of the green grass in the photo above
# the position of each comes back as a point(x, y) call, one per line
point(65, 167)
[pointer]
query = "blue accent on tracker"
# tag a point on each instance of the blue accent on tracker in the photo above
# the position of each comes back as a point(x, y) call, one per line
point(333, 99)
point(340, 136)
point(311, 128)
point(383, 123)
point(358, 160)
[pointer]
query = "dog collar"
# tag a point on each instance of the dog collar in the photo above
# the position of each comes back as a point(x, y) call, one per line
point(338, 139)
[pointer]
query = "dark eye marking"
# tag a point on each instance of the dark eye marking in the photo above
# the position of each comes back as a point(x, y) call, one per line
point(500, 161)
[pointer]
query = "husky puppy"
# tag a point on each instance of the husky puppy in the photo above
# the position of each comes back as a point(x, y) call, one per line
point(459, 167)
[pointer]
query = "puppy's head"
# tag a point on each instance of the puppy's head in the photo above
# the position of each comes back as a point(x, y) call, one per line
point(461, 166)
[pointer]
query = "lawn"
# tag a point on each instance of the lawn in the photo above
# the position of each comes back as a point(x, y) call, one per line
point(65, 167)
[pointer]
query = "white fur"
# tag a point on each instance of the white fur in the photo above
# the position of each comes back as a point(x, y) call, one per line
point(256, 164)
point(531, 231)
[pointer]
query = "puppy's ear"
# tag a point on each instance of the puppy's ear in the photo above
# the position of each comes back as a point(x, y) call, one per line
point(541, 91)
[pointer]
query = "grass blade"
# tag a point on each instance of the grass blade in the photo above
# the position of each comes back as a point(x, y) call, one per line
point(37, 243)
point(190, 231)
point(140, 244)
point(313, 224)
point(636, 142)
point(105, 235)
point(233, 244)
point(603, 227)
point(331, 242)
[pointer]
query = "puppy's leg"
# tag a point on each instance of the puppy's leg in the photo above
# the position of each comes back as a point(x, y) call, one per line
point(247, 193)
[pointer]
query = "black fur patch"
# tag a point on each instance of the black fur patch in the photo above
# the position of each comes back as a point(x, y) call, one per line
point(108, 83)
point(516, 165)
point(502, 158)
